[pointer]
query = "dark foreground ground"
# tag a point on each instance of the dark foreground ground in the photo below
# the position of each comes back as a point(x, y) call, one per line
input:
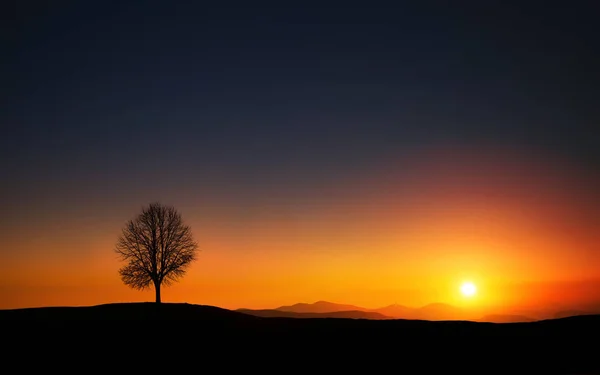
point(171, 338)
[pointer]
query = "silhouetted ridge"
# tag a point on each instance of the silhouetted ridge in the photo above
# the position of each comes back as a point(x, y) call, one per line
point(142, 310)
point(319, 307)
point(501, 318)
point(350, 314)
point(559, 345)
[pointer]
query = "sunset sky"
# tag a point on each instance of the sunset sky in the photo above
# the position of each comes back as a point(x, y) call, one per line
point(367, 156)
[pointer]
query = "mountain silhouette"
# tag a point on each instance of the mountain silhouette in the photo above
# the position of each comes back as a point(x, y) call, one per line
point(320, 307)
point(504, 318)
point(347, 314)
point(433, 311)
point(569, 313)
point(398, 311)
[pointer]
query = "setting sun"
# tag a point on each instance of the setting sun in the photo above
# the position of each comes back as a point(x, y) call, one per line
point(468, 289)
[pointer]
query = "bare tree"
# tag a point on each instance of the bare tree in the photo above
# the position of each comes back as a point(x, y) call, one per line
point(157, 247)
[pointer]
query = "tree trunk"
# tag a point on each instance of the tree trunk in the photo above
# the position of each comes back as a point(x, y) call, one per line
point(157, 290)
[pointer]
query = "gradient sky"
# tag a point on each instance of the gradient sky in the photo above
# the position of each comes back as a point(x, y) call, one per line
point(358, 155)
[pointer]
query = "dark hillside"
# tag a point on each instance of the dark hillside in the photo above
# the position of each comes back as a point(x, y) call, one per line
point(566, 346)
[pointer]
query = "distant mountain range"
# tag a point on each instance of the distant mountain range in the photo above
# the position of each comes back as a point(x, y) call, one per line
point(319, 307)
point(350, 314)
point(434, 311)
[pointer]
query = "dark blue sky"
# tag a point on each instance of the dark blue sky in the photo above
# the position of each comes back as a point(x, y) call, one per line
point(106, 101)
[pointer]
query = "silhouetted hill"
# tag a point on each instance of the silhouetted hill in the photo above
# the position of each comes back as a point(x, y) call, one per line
point(319, 307)
point(501, 318)
point(398, 311)
point(274, 313)
point(235, 340)
point(434, 311)
point(569, 313)
point(145, 310)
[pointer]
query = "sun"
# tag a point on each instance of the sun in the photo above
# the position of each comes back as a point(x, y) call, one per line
point(468, 289)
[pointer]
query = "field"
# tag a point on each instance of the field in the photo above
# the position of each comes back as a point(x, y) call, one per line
point(139, 334)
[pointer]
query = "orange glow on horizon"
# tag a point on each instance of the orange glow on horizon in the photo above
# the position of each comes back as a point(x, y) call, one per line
point(522, 229)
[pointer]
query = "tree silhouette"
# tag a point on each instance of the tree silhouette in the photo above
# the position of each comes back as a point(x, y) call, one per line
point(157, 247)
